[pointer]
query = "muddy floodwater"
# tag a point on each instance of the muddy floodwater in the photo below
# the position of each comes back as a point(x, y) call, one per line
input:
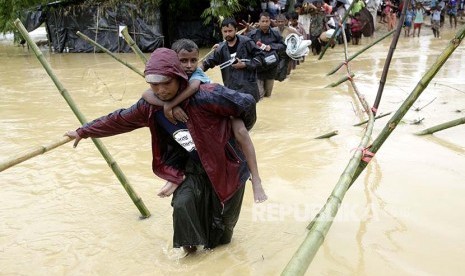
point(65, 213)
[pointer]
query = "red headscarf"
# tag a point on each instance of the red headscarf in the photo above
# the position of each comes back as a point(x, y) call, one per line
point(164, 63)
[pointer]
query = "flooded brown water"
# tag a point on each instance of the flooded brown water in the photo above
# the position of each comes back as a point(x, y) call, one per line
point(65, 213)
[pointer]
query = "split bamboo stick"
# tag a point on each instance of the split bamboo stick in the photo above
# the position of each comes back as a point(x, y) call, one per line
point(98, 143)
point(327, 135)
point(442, 126)
point(377, 117)
point(21, 157)
point(341, 80)
point(360, 52)
point(133, 45)
point(88, 39)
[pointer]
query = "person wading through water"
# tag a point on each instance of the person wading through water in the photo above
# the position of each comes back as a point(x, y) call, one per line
point(200, 160)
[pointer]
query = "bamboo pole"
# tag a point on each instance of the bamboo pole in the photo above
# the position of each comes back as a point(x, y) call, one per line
point(88, 39)
point(387, 63)
point(133, 45)
point(338, 27)
point(341, 80)
point(377, 117)
point(418, 89)
point(442, 126)
point(319, 227)
point(21, 157)
point(327, 135)
point(98, 143)
point(213, 49)
point(335, 69)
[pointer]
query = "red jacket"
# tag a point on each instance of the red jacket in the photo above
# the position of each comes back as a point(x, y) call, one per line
point(209, 124)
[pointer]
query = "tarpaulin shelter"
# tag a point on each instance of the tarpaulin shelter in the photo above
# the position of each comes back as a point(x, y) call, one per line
point(99, 21)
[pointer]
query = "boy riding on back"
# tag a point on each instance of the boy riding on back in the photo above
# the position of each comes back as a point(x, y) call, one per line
point(188, 54)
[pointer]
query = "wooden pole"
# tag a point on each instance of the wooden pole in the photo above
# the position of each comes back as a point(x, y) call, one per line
point(133, 45)
point(327, 135)
point(442, 126)
point(98, 143)
point(360, 52)
point(88, 39)
point(21, 157)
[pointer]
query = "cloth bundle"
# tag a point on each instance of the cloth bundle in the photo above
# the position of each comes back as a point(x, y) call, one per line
point(297, 47)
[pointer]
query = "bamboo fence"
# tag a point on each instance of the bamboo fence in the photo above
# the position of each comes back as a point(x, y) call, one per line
point(321, 224)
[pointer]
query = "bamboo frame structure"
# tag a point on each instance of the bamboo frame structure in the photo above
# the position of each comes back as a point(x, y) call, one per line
point(442, 126)
point(98, 143)
point(21, 157)
point(133, 45)
point(88, 39)
point(414, 95)
point(321, 224)
point(335, 69)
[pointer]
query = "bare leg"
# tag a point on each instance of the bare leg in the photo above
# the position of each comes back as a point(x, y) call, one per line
point(243, 138)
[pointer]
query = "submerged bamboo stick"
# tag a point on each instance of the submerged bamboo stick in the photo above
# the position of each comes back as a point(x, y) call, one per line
point(338, 27)
point(21, 157)
point(133, 45)
point(98, 143)
point(407, 104)
point(320, 225)
point(341, 80)
point(377, 117)
point(387, 62)
point(442, 126)
point(88, 39)
point(327, 135)
point(360, 52)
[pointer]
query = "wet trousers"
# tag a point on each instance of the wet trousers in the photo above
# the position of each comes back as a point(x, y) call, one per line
point(198, 216)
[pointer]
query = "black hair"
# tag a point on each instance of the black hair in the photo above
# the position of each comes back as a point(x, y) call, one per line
point(184, 44)
point(265, 14)
point(229, 21)
point(297, 5)
point(293, 15)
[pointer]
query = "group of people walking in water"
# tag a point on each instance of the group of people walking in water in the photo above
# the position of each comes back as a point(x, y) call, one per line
point(199, 131)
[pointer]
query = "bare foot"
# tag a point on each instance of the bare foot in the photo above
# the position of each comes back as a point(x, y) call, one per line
point(168, 189)
point(259, 195)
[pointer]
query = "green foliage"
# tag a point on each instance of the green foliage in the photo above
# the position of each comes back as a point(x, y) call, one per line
point(11, 9)
point(220, 9)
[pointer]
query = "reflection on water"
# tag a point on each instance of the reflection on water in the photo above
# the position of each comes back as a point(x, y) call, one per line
point(65, 212)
